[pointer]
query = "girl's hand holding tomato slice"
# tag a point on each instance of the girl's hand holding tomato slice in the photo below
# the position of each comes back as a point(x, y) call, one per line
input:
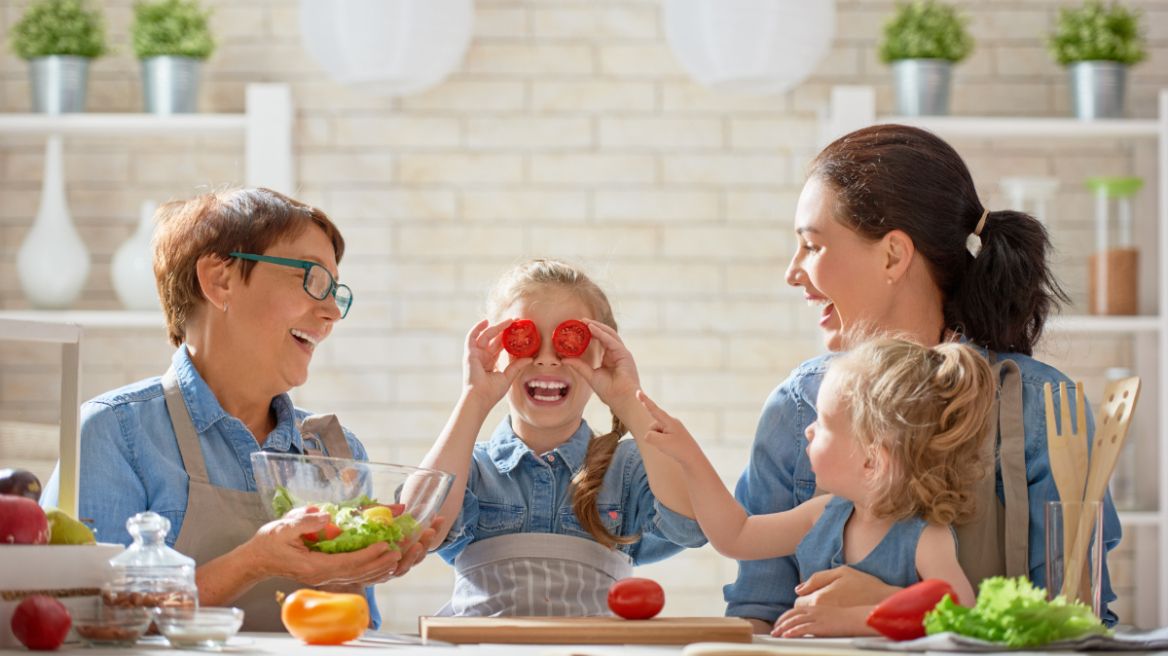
point(616, 380)
point(482, 378)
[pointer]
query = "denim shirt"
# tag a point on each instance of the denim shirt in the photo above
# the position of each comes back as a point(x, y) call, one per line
point(130, 460)
point(511, 489)
point(779, 477)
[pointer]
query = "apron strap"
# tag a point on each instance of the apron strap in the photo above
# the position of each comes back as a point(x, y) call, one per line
point(184, 429)
point(326, 432)
point(1012, 456)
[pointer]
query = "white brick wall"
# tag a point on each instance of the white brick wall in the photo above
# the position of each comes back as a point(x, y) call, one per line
point(570, 131)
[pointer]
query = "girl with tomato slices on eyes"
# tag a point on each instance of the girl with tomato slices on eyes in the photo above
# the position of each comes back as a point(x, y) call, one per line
point(897, 444)
point(547, 514)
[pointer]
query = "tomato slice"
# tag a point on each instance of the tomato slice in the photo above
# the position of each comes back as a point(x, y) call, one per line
point(521, 338)
point(327, 533)
point(571, 338)
point(636, 599)
point(902, 616)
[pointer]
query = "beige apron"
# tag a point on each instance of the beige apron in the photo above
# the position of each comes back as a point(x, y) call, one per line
point(996, 542)
point(218, 519)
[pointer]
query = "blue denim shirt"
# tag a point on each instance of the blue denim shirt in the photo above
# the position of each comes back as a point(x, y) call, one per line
point(130, 460)
point(511, 489)
point(779, 477)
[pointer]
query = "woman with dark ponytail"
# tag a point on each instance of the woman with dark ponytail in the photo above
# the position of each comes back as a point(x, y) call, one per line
point(893, 239)
point(549, 515)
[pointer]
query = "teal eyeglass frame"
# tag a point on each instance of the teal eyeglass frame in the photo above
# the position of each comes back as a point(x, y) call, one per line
point(342, 304)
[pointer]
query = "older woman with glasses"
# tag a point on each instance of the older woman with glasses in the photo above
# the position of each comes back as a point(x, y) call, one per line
point(248, 281)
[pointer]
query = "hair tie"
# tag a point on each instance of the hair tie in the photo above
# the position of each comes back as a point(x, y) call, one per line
point(973, 241)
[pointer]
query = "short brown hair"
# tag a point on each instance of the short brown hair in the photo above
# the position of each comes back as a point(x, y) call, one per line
point(244, 220)
point(928, 409)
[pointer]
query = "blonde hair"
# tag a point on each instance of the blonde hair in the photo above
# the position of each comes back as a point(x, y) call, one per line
point(538, 276)
point(922, 415)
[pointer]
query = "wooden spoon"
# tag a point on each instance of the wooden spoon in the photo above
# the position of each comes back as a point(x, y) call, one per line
point(1068, 462)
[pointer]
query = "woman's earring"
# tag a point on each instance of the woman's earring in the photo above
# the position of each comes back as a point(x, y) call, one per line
point(225, 302)
point(890, 281)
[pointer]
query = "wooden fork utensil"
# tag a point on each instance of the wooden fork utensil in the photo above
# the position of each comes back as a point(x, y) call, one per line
point(1068, 462)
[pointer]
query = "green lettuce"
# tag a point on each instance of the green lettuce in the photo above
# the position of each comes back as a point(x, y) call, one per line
point(1014, 613)
point(356, 532)
point(362, 534)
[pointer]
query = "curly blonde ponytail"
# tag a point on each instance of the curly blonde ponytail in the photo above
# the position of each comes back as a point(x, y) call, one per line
point(928, 410)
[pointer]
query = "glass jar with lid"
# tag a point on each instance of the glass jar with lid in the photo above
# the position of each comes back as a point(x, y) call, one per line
point(149, 574)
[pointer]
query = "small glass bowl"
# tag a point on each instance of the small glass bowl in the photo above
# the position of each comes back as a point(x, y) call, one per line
point(203, 628)
point(105, 626)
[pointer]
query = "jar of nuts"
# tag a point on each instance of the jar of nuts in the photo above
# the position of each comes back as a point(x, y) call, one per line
point(149, 574)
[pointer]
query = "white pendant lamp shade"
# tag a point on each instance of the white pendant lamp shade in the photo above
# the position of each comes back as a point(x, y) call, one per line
point(387, 47)
point(756, 47)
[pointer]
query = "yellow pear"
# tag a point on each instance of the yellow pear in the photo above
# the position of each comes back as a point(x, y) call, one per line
point(66, 530)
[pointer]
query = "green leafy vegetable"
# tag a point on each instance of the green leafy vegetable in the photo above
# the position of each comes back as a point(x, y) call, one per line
point(1014, 613)
point(356, 531)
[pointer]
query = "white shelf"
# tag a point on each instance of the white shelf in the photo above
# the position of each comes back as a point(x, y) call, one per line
point(91, 319)
point(988, 127)
point(1139, 518)
point(135, 124)
point(1104, 324)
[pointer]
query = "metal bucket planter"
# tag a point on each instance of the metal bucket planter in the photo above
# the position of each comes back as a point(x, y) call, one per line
point(1097, 89)
point(170, 84)
point(58, 83)
point(922, 86)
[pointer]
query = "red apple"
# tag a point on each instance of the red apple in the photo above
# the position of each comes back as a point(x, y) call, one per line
point(41, 622)
point(22, 521)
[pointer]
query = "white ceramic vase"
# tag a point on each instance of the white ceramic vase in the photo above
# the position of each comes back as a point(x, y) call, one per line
point(132, 268)
point(52, 263)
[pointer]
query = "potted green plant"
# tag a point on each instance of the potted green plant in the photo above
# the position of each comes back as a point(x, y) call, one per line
point(58, 38)
point(922, 41)
point(172, 38)
point(1097, 42)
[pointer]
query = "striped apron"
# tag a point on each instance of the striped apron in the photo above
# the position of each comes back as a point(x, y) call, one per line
point(535, 575)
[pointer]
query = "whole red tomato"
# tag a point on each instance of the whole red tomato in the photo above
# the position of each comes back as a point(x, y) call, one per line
point(41, 622)
point(902, 616)
point(571, 338)
point(636, 599)
point(521, 338)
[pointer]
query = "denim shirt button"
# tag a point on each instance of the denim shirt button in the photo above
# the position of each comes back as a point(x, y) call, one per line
point(551, 458)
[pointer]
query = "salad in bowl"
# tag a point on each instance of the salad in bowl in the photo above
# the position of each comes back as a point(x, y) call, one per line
point(367, 502)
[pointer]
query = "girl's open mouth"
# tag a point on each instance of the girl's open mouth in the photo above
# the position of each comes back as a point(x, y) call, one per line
point(547, 390)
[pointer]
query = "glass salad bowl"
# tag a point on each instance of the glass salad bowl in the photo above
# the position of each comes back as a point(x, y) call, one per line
point(369, 502)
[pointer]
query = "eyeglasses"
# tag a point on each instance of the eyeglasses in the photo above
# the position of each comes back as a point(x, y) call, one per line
point(318, 282)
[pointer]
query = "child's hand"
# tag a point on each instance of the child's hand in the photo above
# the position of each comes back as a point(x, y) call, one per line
point(669, 434)
point(481, 377)
point(616, 379)
point(824, 622)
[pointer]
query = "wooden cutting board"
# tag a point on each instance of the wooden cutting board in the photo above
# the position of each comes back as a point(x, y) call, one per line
point(585, 630)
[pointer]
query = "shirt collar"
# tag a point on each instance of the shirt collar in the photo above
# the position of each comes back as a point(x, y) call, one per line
point(506, 448)
point(205, 410)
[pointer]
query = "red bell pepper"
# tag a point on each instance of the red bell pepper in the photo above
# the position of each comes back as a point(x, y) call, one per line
point(902, 616)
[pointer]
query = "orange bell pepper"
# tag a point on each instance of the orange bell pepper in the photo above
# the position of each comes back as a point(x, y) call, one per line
point(325, 618)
